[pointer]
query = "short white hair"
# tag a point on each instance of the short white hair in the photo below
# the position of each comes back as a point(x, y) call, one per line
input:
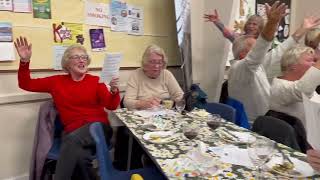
point(292, 56)
point(67, 53)
point(311, 38)
point(240, 44)
point(154, 49)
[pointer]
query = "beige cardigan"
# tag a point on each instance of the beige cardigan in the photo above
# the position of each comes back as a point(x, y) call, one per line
point(140, 87)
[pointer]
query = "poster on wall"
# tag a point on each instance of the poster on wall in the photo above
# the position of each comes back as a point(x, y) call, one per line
point(6, 5)
point(22, 6)
point(118, 15)
point(7, 51)
point(283, 29)
point(97, 14)
point(41, 9)
point(5, 32)
point(58, 52)
point(135, 20)
point(6, 44)
point(67, 33)
point(97, 40)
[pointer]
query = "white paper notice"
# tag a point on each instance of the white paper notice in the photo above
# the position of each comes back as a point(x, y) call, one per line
point(7, 51)
point(135, 20)
point(6, 5)
point(119, 16)
point(97, 14)
point(312, 113)
point(110, 67)
point(22, 6)
point(57, 56)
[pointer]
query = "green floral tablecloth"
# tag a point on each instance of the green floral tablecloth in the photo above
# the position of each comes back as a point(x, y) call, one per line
point(179, 147)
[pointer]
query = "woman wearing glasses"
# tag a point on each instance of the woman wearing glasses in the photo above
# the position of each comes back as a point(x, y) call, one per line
point(152, 82)
point(80, 100)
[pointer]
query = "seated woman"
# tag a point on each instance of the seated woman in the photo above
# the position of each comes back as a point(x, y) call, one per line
point(152, 83)
point(80, 100)
point(312, 39)
point(301, 75)
point(253, 26)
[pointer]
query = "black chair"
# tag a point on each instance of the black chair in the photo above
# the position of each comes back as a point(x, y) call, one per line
point(297, 125)
point(277, 130)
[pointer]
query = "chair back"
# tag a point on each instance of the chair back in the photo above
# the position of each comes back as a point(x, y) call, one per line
point(54, 151)
point(241, 118)
point(225, 111)
point(277, 130)
point(105, 163)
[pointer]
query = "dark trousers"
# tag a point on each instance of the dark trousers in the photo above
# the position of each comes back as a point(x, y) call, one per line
point(76, 154)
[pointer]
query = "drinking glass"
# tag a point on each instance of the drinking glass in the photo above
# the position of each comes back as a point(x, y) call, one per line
point(180, 105)
point(214, 121)
point(190, 132)
point(260, 149)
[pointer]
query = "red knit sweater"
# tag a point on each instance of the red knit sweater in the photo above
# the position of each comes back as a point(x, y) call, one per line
point(78, 103)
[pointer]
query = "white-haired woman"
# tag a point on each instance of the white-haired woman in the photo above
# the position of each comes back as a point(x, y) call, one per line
point(301, 75)
point(252, 27)
point(80, 100)
point(152, 82)
point(312, 39)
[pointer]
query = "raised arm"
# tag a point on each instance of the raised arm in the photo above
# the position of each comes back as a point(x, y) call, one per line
point(24, 50)
point(274, 56)
point(214, 18)
point(256, 56)
point(109, 99)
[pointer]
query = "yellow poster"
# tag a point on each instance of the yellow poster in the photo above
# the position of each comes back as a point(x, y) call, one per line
point(67, 33)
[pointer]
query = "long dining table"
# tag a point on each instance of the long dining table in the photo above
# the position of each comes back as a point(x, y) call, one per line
point(176, 152)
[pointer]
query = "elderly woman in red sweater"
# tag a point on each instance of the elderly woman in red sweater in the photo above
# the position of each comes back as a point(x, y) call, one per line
point(80, 100)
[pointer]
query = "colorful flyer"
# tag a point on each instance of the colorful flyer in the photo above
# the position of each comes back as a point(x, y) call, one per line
point(67, 33)
point(119, 15)
point(6, 5)
point(135, 20)
point(97, 39)
point(5, 32)
point(97, 14)
point(41, 9)
point(22, 6)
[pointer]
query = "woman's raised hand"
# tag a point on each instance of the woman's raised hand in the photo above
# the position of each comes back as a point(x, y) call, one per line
point(23, 49)
point(212, 17)
point(114, 84)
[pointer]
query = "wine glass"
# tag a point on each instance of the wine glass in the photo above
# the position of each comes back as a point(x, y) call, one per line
point(214, 121)
point(259, 151)
point(180, 105)
point(190, 132)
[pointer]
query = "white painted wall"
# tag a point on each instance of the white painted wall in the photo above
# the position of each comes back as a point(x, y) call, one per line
point(209, 47)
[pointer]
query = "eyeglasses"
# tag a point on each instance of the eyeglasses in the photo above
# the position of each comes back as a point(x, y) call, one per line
point(81, 57)
point(156, 62)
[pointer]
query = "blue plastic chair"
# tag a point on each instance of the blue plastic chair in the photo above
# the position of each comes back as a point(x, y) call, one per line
point(225, 111)
point(106, 169)
point(241, 115)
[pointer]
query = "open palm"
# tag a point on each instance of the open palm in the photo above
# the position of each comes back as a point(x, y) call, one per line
point(23, 48)
point(311, 22)
point(212, 17)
